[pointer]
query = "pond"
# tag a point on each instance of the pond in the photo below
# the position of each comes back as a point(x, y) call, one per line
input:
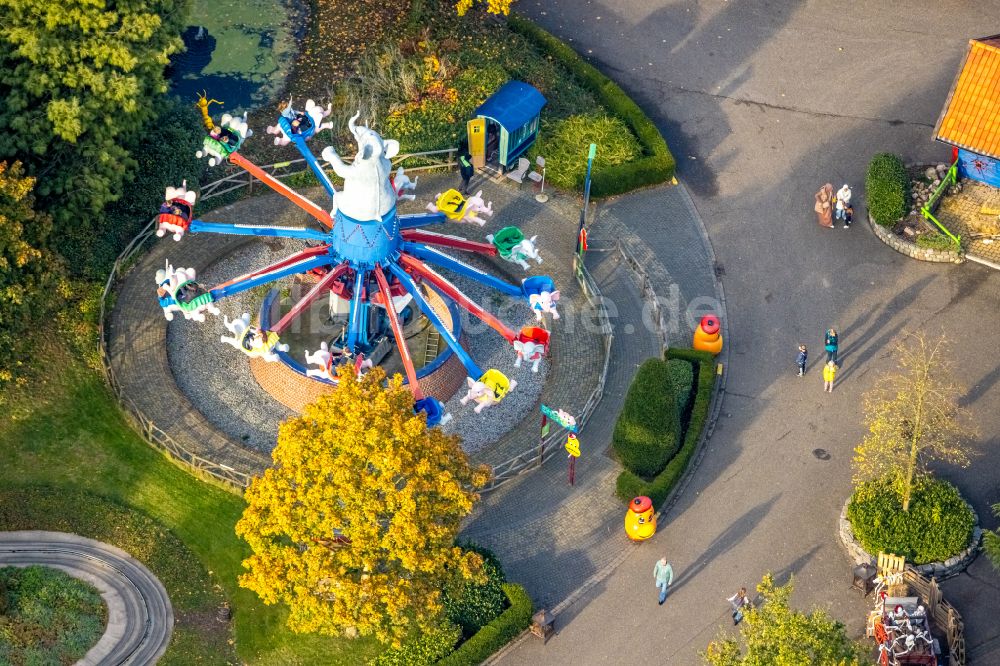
point(239, 51)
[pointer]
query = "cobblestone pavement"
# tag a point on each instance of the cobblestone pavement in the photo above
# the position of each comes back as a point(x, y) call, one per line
point(962, 215)
point(761, 103)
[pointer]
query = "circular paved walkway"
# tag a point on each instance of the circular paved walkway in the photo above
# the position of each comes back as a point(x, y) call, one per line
point(140, 617)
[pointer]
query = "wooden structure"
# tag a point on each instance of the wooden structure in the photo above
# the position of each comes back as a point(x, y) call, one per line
point(510, 118)
point(970, 120)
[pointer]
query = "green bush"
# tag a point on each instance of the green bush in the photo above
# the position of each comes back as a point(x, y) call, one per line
point(427, 648)
point(681, 373)
point(888, 188)
point(938, 525)
point(658, 164)
point(647, 432)
point(629, 485)
point(991, 541)
point(936, 241)
point(472, 606)
point(497, 633)
point(564, 144)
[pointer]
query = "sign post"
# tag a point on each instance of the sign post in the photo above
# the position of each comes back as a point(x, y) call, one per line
point(573, 449)
point(581, 238)
point(567, 421)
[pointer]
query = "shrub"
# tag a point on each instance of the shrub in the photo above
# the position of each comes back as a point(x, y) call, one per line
point(629, 485)
point(888, 185)
point(646, 435)
point(564, 144)
point(472, 606)
point(681, 374)
point(497, 633)
point(935, 242)
point(938, 525)
point(991, 541)
point(658, 164)
point(427, 648)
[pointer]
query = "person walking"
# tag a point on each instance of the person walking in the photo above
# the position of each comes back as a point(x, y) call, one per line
point(842, 201)
point(829, 373)
point(831, 344)
point(663, 574)
point(739, 601)
point(824, 205)
point(801, 360)
point(848, 216)
point(466, 169)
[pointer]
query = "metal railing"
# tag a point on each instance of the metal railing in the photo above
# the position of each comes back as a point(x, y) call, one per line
point(536, 455)
point(927, 210)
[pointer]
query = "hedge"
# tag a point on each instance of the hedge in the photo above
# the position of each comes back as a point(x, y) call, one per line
point(657, 166)
point(629, 485)
point(681, 374)
point(472, 605)
point(887, 185)
point(497, 633)
point(938, 525)
point(427, 648)
point(647, 433)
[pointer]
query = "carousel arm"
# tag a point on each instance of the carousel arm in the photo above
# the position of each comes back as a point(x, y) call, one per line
point(421, 220)
point(308, 299)
point(441, 259)
point(453, 242)
point(450, 290)
point(300, 144)
point(397, 332)
point(200, 226)
point(282, 189)
point(287, 261)
point(470, 366)
point(224, 291)
point(357, 307)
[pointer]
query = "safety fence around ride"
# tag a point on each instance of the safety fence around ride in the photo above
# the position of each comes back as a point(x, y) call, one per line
point(536, 455)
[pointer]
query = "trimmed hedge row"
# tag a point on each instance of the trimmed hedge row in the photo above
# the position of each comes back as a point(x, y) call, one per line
point(497, 633)
point(629, 485)
point(657, 166)
point(887, 185)
point(647, 433)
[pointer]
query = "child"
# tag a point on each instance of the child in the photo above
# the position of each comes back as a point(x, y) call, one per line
point(739, 601)
point(801, 360)
point(829, 372)
point(848, 216)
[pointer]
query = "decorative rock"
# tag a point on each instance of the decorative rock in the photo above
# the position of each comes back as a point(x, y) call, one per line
point(908, 231)
point(930, 173)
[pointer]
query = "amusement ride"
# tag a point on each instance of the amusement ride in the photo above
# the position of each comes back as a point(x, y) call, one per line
point(370, 261)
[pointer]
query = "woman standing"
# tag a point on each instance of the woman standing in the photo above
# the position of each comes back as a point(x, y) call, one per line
point(831, 344)
point(824, 206)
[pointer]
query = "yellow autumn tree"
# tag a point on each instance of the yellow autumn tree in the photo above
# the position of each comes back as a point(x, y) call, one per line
point(354, 526)
point(492, 6)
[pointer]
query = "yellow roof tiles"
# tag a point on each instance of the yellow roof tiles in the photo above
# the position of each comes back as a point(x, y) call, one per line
point(971, 116)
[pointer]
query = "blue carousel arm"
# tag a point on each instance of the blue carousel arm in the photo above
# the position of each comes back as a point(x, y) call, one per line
point(200, 226)
point(443, 260)
point(415, 220)
point(357, 311)
point(470, 366)
point(300, 144)
point(256, 281)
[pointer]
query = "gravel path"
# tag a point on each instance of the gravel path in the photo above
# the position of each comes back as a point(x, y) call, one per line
point(217, 378)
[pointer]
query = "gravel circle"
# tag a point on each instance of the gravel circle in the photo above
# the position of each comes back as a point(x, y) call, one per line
point(217, 378)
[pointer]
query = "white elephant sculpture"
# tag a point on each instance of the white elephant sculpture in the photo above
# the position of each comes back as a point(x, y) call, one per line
point(313, 116)
point(525, 250)
point(323, 359)
point(368, 193)
point(401, 183)
point(475, 205)
point(176, 211)
point(530, 351)
point(544, 303)
point(481, 394)
point(251, 340)
point(178, 291)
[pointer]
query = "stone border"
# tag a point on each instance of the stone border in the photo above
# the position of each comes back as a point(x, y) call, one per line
point(939, 570)
point(913, 250)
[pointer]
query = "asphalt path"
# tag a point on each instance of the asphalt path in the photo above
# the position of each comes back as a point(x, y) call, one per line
point(140, 617)
point(762, 102)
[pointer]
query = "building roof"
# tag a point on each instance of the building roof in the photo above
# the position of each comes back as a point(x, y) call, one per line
point(514, 105)
point(971, 116)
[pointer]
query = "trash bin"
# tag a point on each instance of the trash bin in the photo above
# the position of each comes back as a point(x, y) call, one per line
point(864, 579)
point(543, 624)
point(640, 519)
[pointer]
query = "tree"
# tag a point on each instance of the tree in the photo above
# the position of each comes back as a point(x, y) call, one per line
point(492, 6)
point(776, 635)
point(354, 526)
point(29, 274)
point(78, 82)
point(991, 541)
point(913, 417)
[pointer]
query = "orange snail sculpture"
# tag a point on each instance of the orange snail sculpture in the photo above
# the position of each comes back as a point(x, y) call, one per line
point(640, 519)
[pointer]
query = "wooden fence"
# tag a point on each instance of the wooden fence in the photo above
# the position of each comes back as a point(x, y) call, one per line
point(537, 454)
point(943, 613)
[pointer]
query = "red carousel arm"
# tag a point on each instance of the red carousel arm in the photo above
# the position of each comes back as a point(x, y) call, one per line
point(397, 331)
point(308, 299)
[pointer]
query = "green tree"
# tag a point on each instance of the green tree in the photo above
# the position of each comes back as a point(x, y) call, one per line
point(777, 635)
point(354, 526)
point(991, 541)
point(913, 417)
point(29, 273)
point(78, 82)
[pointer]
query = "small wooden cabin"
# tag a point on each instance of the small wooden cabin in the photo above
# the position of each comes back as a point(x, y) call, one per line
point(505, 125)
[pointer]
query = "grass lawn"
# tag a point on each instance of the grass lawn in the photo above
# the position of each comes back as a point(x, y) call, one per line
point(65, 433)
point(48, 617)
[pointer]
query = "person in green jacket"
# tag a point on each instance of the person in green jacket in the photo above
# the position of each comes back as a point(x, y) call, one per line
point(663, 574)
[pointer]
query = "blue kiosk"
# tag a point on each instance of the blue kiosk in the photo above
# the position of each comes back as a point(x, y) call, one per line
point(505, 125)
